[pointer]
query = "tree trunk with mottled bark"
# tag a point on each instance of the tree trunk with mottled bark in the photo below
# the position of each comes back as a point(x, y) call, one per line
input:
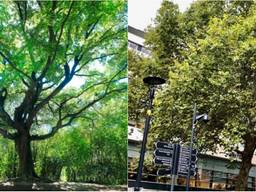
point(26, 165)
point(247, 155)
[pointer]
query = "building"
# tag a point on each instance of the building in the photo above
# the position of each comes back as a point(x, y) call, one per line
point(214, 171)
point(136, 41)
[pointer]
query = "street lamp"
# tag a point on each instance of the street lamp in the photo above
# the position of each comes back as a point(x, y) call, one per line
point(196, 118)
point(152, 83)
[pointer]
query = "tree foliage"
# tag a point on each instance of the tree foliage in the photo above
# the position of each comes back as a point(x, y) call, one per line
point(46, 49)
point(138, 67)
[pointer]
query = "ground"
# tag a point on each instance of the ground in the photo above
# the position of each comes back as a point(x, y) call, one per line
point(58, 186)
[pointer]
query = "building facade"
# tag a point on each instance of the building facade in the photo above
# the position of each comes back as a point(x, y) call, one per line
point(213, 171)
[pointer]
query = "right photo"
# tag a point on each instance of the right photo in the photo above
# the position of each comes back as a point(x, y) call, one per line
point(191, 95)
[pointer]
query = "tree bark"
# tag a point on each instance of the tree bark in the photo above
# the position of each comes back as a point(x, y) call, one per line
point(26, 165)
point(247, 155)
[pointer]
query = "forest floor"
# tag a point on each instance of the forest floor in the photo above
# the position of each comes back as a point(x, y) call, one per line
point(58, 186)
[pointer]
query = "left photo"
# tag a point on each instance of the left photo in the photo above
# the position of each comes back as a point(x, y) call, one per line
point(63, 95)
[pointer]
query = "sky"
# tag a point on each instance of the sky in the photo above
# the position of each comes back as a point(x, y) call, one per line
point(142, 12)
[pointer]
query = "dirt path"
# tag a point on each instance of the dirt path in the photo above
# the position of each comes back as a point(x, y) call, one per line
point(58, 186)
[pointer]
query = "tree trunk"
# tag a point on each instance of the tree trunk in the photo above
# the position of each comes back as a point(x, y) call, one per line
point(26, 165)
point(247, 155)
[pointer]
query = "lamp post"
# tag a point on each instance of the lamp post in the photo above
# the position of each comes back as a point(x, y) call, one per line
point(152, 82)
point(196, 118)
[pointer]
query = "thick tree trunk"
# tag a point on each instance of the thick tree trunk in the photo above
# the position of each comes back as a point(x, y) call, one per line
point(247, 154)
point(241, 184)
point(26, 165)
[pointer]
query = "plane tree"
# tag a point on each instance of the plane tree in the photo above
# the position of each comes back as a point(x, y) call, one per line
point(207, 55)
point(217, 73)
point(46, 48)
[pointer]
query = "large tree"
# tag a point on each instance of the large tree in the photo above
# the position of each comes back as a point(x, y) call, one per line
point(44, 47)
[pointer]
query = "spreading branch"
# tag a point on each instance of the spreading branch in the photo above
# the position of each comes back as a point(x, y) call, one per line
point(92, 27)
point(68, 77)
point(6, 134)
point(22, 10)
point(51, 58)
point(49, 87)
point(74, 115)
point(93, 59)
point(108, 82)
point(102, 38)
point(24, 82)
point(13, 65)
point(69, 118)
point(3, 114)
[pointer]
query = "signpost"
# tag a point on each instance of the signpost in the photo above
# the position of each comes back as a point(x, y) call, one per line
point(176, 158)
point(184, 158)
point(163, 153)
point(162, 161)
point(164, 145)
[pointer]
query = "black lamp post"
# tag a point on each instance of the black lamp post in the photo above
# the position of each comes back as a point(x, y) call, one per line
point(152, 82)
point(196, 118)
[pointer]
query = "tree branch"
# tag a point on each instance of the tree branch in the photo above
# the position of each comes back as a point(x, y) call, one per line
point(24, 82)
point(13, 65)
point(94, 59)
point(89, 75)
point(6, 134)
point(52, 94)
point(71, 117)
point(3, 114)
point(51, 58)
point(68, 77)
point(74, 115)
point(22, 11)
point(95, 84)
point(92, 27)
point(123, 68)
point(49, 87)
point(102, 38)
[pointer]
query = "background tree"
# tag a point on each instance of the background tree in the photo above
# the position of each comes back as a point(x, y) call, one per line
point(46, 45)
point(139, 67)
point(165, 38)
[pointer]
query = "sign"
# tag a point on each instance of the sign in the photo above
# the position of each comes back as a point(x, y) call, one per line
point(164, 171)
point(186, 158)
point(163, 152)
point(183, 161)
point(185, 153)
point(164, 145)
point(184, 174)
point(162, 161)
point(176, 158)
point(186, 150)
point(186, 166)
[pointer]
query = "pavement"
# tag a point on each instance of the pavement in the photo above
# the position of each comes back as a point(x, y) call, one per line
point(58, 186)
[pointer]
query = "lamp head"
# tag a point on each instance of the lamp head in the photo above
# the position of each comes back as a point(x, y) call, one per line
point(153, 80)
point(205, 118)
